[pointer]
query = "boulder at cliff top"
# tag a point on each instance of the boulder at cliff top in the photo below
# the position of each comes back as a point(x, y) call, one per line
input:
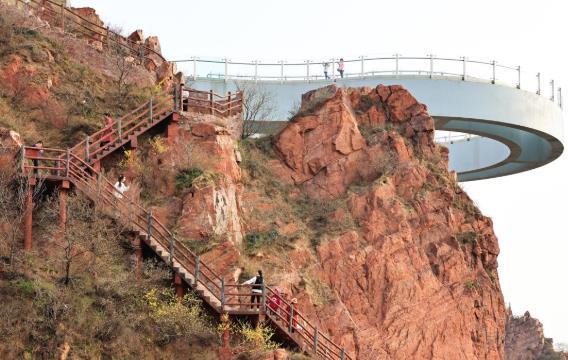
point(324, 146)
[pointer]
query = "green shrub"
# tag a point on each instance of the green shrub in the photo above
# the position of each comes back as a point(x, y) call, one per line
point(185, 177)
point(256, 240)
point(27, 287)
point(471, 284)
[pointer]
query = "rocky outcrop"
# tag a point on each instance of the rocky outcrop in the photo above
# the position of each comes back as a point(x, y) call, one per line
point(324, 146)
point(525, 339)
point(415, 276)
point(10, 143)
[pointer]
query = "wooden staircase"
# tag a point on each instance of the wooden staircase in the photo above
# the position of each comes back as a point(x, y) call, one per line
point(76, 166)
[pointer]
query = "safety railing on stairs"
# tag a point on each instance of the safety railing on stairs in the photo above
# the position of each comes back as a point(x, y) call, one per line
point(208, 102)
point(67, 165)
point(57, 14)
point(124, 128)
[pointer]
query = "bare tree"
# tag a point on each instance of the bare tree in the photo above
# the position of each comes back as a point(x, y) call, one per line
point(258, 105)
point(14, 189)
point(88, 235)
point(123, 63)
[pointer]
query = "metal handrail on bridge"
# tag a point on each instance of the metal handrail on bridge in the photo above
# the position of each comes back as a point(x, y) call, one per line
point(430, 66)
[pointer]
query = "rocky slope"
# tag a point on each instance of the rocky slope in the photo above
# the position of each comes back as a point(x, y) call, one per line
point(416, 276)
point(525, 339)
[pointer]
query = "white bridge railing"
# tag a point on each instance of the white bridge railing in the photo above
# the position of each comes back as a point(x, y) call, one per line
point(365, 67)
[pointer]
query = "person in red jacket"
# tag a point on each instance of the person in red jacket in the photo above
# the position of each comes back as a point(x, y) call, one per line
point(275, 302)
point(107, 133)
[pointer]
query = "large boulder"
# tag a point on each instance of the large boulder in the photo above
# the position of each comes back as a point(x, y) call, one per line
point(10, 143)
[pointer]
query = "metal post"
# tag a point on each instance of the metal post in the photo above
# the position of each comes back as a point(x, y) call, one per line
point(196, 269)
point(362, 65)
point(552, 90)
point(333, 69)
point(67, 159)
point(149, 228)
point(308, 70)
point(494, 66)
point(316, 341)
point(211, 102)
point(519, 77)
point(431, 65)
point(151, 110)
point(222, 294)
point(194, 68)
point(281, 71)
point(87, 150)
point(538, 83)
point(464, 74)
point(291, 317)
point(560, 97)
point(256, 70)
point(396, 58)
point(226, 69)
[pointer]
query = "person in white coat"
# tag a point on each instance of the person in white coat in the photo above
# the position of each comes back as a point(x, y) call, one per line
point(120, 187)
point(257, 281)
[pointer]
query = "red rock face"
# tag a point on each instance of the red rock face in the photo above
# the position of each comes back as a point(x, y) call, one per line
point(325, 149)
point(416, 277)
point(525, 340)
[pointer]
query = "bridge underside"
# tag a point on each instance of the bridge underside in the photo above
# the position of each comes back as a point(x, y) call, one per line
point(518, 130)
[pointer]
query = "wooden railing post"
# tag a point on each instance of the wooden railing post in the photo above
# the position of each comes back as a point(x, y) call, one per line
point(176, 98)
point(149, 223)
point(172, 240)
point(211, 102)
point(23, 159)
point(63, 15)
point(316, 333)
point(87, 150)
point(229, 103)
point(263, 297)
point(291, 317)
point(181, 98)
point(119, 133)
point(197, 260)
point(67, 159)
point(222, 294)
point(99, 180)
point(342, 354)
point(130, 214)
point(151, 112)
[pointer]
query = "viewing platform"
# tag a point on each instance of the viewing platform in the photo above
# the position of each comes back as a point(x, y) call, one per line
point(515, 118)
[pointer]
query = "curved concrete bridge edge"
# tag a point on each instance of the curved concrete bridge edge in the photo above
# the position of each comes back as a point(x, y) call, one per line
point(519, 130)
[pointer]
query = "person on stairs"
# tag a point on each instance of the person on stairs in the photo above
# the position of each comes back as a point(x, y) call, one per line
point(107, 133)
point(257, 282)
point(36, 152)
point(120, 187)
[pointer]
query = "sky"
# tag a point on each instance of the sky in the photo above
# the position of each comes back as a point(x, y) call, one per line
point(528, 209)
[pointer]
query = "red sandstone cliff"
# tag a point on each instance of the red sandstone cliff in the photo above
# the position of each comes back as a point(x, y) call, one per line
point(415, 276)
point(525, 339)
